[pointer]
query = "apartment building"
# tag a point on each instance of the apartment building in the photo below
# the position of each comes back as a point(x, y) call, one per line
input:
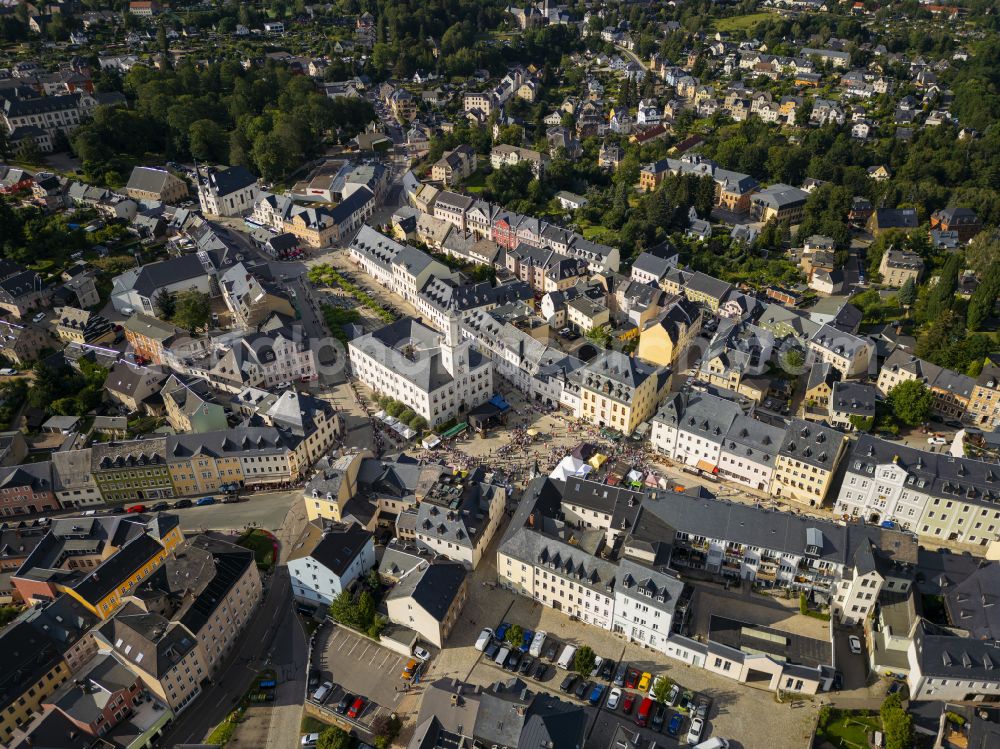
point(952, 392)
point(262, 359)
point(454, 166)
point(132, 471)
point(619, 391)
point(505, 155)
point(429, 600)
point(849, 354)
point(897, 267)
point(934, 495)
point(806, 463)
point(984, 403)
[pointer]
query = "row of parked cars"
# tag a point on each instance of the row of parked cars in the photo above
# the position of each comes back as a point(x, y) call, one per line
point(528, 656)
point(351, 705)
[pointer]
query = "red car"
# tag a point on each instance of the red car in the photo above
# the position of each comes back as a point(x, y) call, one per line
point(356, 708)
point(632, 678)
point(628, 703)
point(136, 508)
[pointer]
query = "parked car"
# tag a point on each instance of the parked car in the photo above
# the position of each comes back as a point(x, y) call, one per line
point(598, 662)
point(855, 644)
point(38, 318)
point(182, 504)
point(619, 680)
point(540, 670)
point(628, 703)
point(632, 678)
point(614, 697)
point(642, 714)
point(595, 694)
point(231, 499)
point(659, 715)
point(607, 669)
point(135, 508)
point(160, 507)
point(314, 678)
point(567, 683)
point(582, 688)
point(674, 695)
point(937, 441)
point(323, 692)
point(687, 699)
point(484, 639)
point(410, 669)
point(513, 660)
point(356, 708)
point(502, 631)
point(309, 740)
point(491, 650)
point(525, 645)
point(345, 702)
point(422, 654)
point(8, 372)
point(552, 649)
point(675, 725)
point(695, 730)
point(526, 663)
point(702, 704)
point(205, 501)
point(644, 682)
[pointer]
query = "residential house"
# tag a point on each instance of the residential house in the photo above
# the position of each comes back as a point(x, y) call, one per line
point(327, 559)
point(429, 600)
point(149, 184)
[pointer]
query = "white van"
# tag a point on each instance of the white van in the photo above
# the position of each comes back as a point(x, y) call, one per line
point(322, 692)
point(537, 644)
point(484, 639)
point(502, 656)
point(713, 743)
point(566, 657)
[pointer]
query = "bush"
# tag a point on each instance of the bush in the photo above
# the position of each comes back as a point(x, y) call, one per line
point(417, 423)
point(584, 660)
point(408, 414)
point(395, 408)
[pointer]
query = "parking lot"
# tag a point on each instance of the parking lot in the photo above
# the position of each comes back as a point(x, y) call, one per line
point(735, 711)
point(359, 667)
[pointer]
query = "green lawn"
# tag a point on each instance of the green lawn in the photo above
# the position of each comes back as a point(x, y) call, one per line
point(850, 730)
point(740, 23)
point(262, 546)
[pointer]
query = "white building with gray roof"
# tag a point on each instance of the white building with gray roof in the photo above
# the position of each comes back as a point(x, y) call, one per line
point(931, 494)
point(440, 377)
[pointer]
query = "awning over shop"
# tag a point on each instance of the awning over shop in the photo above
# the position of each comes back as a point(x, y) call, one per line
point(704, 465)
point(498, 401)
point(455, 430)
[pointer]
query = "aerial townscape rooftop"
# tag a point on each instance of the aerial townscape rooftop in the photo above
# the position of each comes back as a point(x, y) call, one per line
point(434, 375)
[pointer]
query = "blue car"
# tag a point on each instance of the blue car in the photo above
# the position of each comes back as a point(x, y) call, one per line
point(205, 501)
point(596, 693)
point(674, 726)
point(526, 641)
point(501, 633)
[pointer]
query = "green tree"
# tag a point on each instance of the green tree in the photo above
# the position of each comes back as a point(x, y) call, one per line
point(911, 402)
point(862, 423)
point(193, 310)
point(515, 635)
point(984, 298)
point(661, 688)
point(334, 738)
point(584, 660)
point(395, 408)
point(207, 140)
point(599, 335)
point(941, 296)
point(165, 303)
point(908, 293)
point(897, 724)
point(983, 252)
point(8, 614)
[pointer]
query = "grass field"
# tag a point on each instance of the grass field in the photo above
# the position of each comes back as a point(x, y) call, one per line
point(850, 730)
point(262, 546)
point(740, 23)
